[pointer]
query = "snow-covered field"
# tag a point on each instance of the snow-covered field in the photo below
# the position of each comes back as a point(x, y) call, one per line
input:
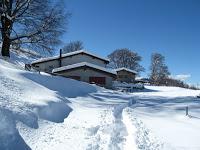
point(44, 112)
point(163, 110)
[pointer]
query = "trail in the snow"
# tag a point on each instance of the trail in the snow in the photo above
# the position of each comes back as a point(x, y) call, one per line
point(92, 126)
point(129, 133)
point(145, 140)
point(112, 133)
point(101, 136)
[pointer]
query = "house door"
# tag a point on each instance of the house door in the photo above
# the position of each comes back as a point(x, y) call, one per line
point(98, 80)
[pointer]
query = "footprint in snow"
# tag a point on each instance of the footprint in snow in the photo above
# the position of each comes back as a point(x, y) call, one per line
point(93, 130)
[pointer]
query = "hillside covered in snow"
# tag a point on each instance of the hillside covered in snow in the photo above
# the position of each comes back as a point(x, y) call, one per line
point(44, 112)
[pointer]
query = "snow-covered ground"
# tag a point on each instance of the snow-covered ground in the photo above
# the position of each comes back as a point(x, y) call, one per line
point(163, 109)
point(44, 112)
point(27, 96)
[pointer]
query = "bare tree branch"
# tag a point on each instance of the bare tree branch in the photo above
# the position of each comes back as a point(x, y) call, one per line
point(125, 58)
point(73, 46)
point(41, 22)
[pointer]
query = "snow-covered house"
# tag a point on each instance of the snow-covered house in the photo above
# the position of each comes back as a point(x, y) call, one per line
point(50, 63)
point(80, 65)
point(87, 72)
point(126, 75)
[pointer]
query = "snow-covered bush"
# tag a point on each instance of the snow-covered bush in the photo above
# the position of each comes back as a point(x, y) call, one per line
point(127, 87)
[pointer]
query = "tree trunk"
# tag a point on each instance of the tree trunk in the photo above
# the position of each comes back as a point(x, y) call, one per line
point(6, 31)
point(6, 24)
point(5, 50)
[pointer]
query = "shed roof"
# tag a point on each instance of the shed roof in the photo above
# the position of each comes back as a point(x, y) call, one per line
point(126, 69)
point(83, 64)
point(68, 55)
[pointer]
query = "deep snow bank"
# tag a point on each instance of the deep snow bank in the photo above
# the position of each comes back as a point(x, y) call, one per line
point(25, 96)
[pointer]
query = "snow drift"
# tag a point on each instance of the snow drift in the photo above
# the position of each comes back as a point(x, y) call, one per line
point(27, 96)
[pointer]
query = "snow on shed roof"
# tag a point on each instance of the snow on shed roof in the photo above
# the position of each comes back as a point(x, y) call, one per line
point(126, 69)
point(82, 64)
point(68, 55)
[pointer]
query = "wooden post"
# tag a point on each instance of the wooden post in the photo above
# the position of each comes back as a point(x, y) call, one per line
point(60, 58)
point(186, 111)
point(28, 67)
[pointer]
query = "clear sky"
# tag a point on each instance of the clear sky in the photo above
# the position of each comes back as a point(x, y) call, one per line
point(170, 27)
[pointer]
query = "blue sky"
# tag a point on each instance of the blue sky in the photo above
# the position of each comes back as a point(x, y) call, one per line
point(170, 27)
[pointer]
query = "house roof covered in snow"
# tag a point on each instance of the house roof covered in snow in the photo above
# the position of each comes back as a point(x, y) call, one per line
point(68, 55)
point(126, 69)
point(83, 64)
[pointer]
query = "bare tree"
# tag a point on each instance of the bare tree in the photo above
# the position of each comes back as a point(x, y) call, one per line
point(125, 58)
point(37, 23)
point(159, 70)
point(73, 46)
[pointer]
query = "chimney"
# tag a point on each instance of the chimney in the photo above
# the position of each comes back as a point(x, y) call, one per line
point(60, 58)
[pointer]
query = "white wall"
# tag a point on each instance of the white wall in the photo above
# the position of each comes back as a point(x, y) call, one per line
point(50, 65)
point(47, 66)
point(82, 58)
